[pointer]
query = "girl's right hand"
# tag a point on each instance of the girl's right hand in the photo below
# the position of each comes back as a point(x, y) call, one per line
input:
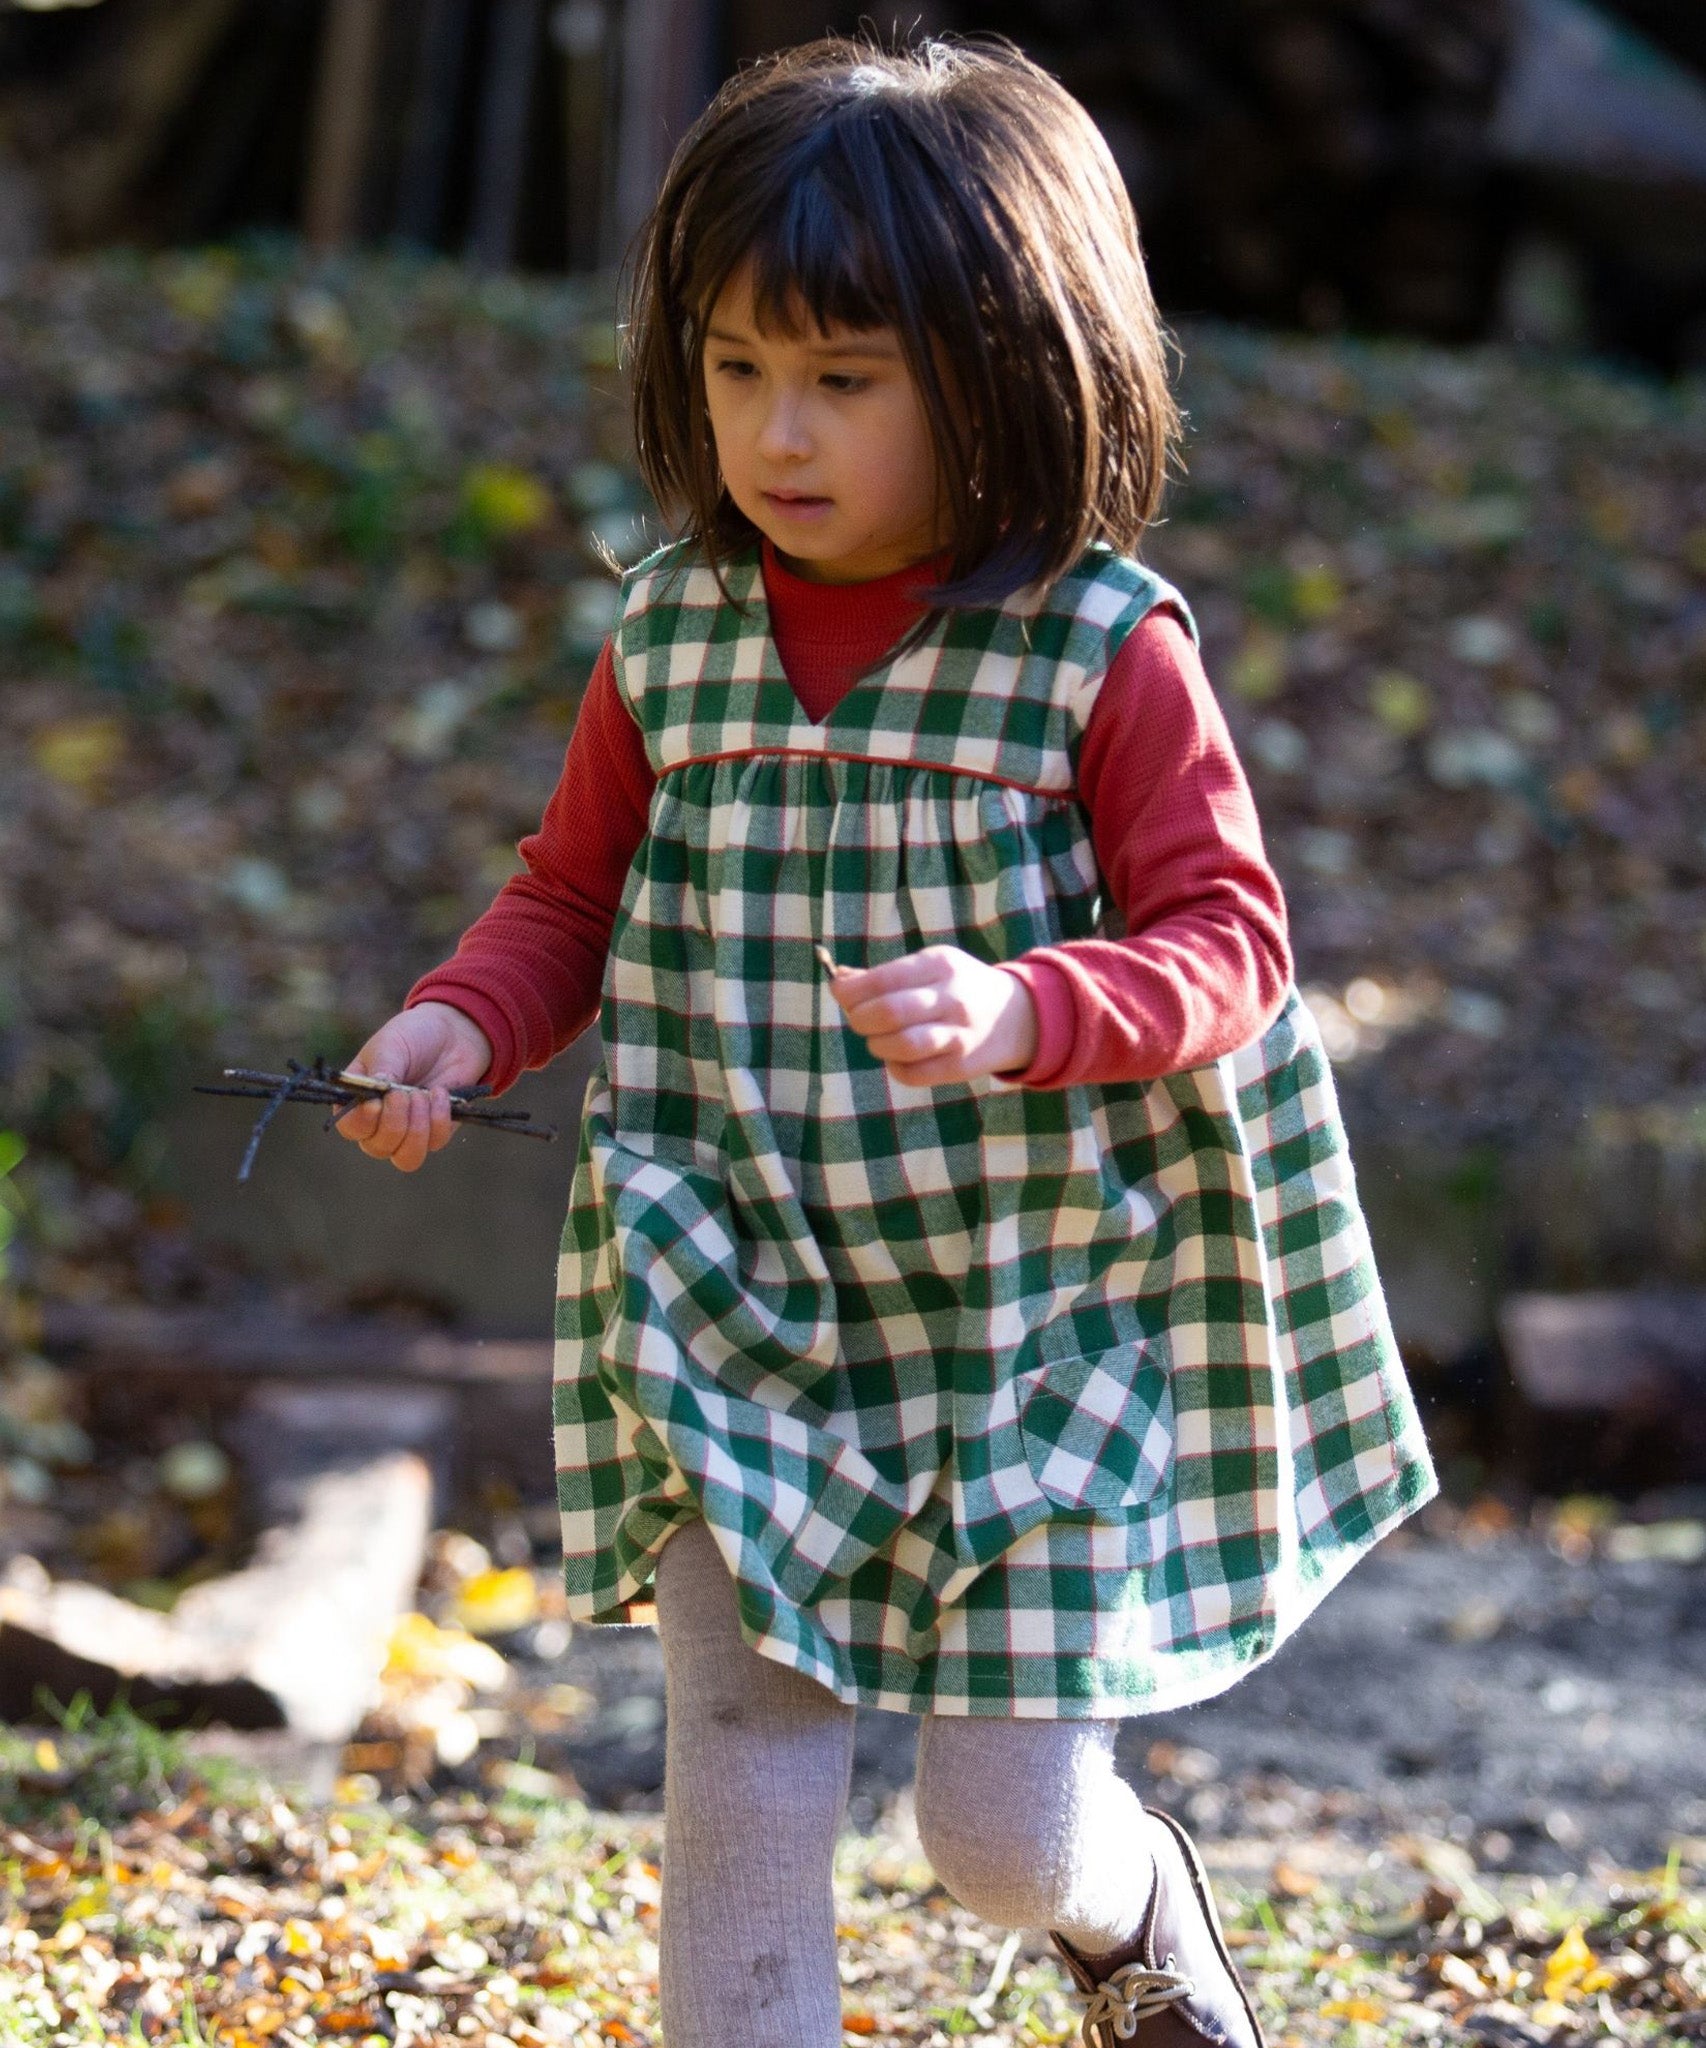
point(434, 1048)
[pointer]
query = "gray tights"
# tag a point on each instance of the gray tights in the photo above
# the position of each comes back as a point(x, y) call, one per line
point(1024, 1821)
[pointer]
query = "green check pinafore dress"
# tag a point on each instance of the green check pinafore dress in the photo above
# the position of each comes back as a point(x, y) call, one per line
point(995, 1400)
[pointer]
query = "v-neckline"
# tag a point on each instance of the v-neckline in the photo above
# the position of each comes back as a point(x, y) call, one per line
point(773, 672)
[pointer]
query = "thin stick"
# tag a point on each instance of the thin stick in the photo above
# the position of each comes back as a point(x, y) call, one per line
point(266, 1116)
point(344, 1091)
point(984, 2003)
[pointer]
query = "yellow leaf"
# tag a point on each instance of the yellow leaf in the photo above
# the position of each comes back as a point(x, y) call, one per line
point(1354, 2008)
point(299, 1938)
point(89, 1905)
point(199, 287)
point(79, 753)
point(46, 1755)
point(1258, 668)
point(1568, 1964)
point(420, 1649)
point(1400, 702)
point(505, 500)
point(1317, 594)
point(493, 1603)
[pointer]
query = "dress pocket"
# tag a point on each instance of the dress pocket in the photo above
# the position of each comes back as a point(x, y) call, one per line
point(1098, 1430)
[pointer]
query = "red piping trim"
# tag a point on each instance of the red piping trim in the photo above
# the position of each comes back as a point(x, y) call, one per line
point(877, 760)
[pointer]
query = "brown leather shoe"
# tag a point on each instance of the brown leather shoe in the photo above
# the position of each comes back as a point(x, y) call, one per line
point(1179, 1987)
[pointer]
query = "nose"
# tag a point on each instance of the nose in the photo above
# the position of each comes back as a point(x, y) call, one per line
point(782, 433)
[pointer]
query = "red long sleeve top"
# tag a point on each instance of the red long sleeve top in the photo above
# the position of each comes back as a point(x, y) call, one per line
point(1204, 966)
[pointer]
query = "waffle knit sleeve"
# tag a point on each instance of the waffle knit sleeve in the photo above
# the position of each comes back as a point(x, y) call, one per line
point(1206, 960)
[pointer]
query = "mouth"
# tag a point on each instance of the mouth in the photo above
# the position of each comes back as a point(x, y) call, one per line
point(795, 501)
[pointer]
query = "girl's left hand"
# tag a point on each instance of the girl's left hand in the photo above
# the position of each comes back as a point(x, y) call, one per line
point(940, 1015)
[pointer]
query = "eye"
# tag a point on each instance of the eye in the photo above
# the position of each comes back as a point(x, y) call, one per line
point(733, 366)
point(844, 382)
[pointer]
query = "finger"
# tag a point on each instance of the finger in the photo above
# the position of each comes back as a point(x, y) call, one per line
point(900, 1010)
point(411, 1153)
point(361, 1121)
point(358, 1123)
point(392, 1127)
point(920, 1042)
point(912, 970)
point(930, 1073)
point(442, 1128)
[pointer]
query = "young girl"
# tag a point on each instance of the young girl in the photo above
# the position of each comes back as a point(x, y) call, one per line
point(964, 1305)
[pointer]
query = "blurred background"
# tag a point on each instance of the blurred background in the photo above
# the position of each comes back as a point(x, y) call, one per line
point(312, 456)
point(1459, 170)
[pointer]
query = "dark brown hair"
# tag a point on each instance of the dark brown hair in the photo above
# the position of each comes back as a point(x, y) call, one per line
point(955, 192)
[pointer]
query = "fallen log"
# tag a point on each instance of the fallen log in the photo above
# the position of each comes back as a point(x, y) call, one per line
point(1610, 1388)
point(214, 1343)
point(296, 1639)
point(1637, 1353)
point(134, 1361)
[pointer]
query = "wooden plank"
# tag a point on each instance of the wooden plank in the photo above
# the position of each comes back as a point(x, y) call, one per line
point(581, 32)
point(506, 102)
point(150, 77)
point(441, 52)
point(297, 1639)
point(666, 81)
point(343, 105)
point(1641, 1353)
point(213, 1343)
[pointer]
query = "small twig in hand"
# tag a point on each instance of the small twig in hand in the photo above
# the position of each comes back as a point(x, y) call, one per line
point(280, 1097)
point(344, 1091)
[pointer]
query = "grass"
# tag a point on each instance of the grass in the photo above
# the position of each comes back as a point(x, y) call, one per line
point(152, 1896)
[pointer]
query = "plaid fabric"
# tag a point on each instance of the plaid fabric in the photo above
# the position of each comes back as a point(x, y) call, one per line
point(996, 1400)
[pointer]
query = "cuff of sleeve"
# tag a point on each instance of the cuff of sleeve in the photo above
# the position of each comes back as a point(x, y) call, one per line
point(492, 1019)
point(1051, 993)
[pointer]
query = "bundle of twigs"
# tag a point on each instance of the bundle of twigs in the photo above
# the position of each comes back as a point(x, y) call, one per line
point(341, 1090)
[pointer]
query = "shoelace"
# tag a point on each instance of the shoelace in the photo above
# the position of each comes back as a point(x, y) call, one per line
point(1131, 1995)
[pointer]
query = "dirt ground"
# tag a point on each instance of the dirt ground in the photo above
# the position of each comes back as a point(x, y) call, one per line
point(1547, 1711)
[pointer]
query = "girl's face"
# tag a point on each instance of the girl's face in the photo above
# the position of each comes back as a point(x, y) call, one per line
point(823, 442)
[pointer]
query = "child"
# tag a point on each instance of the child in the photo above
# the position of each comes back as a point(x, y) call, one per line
point(964, 1305)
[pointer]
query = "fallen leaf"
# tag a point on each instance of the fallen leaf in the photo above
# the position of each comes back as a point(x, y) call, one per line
point(1292, 1882)
point(79, 753)
point(502, 500)
point(494, 1603)
point(1568, 1964)
point(1353, 2008)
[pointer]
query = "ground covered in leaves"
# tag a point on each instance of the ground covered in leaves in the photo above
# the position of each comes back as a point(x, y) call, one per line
point(303, 565)
point(144, 1900)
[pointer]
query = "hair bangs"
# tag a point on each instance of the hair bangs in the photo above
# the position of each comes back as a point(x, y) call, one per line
point(814, 263)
